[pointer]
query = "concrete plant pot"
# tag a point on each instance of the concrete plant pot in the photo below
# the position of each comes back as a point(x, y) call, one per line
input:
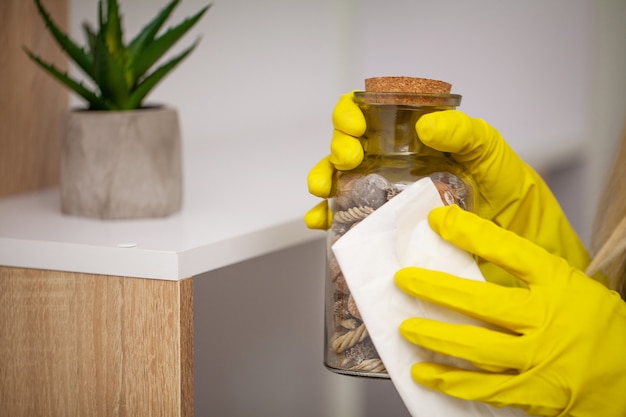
point(121, 164)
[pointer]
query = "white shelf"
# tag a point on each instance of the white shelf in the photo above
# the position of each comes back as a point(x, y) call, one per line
point(243, 198)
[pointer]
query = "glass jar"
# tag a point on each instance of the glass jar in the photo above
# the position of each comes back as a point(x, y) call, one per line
point(394, 158)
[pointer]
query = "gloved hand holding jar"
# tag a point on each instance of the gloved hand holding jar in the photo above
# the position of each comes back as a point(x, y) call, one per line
point(563, 332)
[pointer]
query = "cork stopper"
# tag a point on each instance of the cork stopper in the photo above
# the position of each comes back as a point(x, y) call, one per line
point(406, 85)
point(410, 91)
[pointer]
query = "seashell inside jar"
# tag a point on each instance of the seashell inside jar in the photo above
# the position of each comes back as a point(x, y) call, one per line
point(394, 158)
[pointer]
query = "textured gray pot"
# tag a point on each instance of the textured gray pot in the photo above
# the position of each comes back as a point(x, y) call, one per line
point(122, 164)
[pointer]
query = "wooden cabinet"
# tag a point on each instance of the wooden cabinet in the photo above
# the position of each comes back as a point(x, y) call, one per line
point(32, 102)
point(75, 344)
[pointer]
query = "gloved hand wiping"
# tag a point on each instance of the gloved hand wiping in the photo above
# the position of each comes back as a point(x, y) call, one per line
point(561, 349)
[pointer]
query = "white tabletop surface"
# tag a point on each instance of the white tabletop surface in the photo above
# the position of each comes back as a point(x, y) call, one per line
point(243, 198)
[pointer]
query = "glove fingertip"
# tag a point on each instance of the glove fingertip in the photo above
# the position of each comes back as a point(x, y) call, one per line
point(403, 277)
point(447, 131)
point(438, 217)
point(348, 117)
point(428, 374)
point(346, 152)
point(319, 186)
point(439, 124)
point(346, 164)
point(320, 178)
point(426, 127)
point(408, 329)
point(318, 217)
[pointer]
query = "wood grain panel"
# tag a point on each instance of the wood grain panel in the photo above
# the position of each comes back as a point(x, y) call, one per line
point(91, 345)
point(31, 101)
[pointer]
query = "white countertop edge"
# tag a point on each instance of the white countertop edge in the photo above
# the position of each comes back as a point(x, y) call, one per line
point(245, 247)
point(69, 257)
point(151, 264)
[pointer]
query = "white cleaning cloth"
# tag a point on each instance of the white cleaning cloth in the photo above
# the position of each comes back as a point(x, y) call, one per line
point(398, 235)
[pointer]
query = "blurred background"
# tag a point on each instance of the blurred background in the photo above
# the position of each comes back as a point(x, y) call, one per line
point(549, 75)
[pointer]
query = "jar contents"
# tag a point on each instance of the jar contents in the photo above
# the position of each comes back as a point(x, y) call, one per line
point(394, 158)
point(360, 196)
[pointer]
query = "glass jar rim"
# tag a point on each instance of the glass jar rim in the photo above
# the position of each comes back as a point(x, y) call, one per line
point(407, 98)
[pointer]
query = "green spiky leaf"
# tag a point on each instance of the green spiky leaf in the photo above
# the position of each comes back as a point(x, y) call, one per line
point(109, 58)
point(119, 71)
point(111, 78)
point(113, 34)
point(95, 102)
point(149, 31)
point(155, 77)
point(146, 57)
point(75, 52)
point(90, 36)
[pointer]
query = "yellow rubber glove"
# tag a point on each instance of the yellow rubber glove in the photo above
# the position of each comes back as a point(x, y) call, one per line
point(509, 192)
point(346, 154)
point(563, 337)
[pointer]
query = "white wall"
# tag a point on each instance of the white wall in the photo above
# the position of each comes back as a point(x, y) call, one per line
point(547, 74)
point(262, 67)
point(271, 71)
point(279, 65)
point(523, 66)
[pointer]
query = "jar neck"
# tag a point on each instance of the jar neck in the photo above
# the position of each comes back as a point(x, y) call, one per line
point(391, 130)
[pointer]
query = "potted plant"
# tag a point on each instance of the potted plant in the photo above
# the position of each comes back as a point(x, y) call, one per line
point(120, 158)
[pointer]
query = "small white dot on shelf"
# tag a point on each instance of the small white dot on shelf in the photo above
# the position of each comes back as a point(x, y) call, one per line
point(126, 245)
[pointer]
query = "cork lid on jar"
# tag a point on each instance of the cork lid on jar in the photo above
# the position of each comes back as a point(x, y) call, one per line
point(409, 90)
point(406, 85)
